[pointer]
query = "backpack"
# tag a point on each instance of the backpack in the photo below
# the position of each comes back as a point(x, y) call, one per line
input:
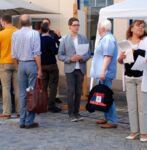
point(100, 98)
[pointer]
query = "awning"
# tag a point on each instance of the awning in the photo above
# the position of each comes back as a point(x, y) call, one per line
point(18, 7)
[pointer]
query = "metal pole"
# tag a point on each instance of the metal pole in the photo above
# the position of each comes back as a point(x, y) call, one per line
point(106, 2)
point(95, 3)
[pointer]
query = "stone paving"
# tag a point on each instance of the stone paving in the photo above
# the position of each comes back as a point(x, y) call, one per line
point(56, 132)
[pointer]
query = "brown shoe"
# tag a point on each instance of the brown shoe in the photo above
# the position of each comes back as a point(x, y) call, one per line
point(5, 116)
point(109, 126)
point(101, 121)
point(34, 125)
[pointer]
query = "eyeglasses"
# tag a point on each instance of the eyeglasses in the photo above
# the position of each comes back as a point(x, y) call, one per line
point(75, 25)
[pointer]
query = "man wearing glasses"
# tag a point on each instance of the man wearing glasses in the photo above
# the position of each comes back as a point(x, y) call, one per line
point(74, 66)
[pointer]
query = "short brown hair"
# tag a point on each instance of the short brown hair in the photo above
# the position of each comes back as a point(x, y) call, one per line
point(7, 18)
point(129, 32)
point(71, 20)
point(47, 20)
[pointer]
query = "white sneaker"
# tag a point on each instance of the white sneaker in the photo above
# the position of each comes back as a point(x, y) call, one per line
point(80, 119)
point(143, 139)
point(74, 120)
point(132, 136)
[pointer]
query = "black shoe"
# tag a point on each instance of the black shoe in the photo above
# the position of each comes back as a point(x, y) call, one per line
point(22, 126)
point(34, 125)
point(55, 109)
point(57, 100)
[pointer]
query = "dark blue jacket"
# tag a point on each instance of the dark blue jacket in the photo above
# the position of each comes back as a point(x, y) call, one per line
point(49, 50)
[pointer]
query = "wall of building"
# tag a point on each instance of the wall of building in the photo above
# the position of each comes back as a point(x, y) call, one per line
point(64, 8)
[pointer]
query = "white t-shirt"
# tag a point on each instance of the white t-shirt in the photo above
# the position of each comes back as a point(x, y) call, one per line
point(135, 47)
point(142, 45)
point(75, 41)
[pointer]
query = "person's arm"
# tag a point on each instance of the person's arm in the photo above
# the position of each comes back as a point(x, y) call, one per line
point(56, 36)
point(53, 47)
point(57, 32)
point(121, 57)
point(14, 51)
point(62, 54)
point(109, 48)
point(16, 62)
point(0, 41)
point(37, 53)
point(106, 62)
point(38, 62)
point(85, 57)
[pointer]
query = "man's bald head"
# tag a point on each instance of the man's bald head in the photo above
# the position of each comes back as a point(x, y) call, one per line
point(25, 20)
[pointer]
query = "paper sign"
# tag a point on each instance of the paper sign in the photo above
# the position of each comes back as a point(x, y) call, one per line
point(82, 49)
point(139, 64)
point(126, 47)
point(129, 56)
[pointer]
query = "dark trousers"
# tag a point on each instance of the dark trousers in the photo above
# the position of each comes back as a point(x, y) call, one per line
point(50, 79)
point(74, 85)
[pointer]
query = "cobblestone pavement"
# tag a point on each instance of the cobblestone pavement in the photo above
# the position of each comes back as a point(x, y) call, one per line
point(56, 132)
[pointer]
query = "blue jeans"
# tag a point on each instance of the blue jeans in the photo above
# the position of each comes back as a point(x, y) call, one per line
point(111, 115)
point(27, 75)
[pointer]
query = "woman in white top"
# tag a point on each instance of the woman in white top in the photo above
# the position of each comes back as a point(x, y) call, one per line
point(136, 99)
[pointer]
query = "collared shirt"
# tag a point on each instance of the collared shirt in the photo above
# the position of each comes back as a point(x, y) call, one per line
point(25, 44)
point(107, 46)
point(5, 45)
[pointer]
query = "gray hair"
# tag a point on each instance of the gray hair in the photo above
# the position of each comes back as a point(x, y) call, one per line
point(106, 24)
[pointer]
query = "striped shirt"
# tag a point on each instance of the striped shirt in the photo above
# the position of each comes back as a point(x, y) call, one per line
point(25, 44)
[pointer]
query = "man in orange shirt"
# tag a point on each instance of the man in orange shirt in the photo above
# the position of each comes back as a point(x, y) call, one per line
point(8, 71)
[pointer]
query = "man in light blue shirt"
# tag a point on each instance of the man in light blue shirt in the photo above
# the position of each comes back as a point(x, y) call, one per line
point(108, 49)
point(26, 52)
point(104, 66)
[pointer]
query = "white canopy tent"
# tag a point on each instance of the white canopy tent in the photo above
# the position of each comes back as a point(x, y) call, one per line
point(130, 9)
point(18, 7)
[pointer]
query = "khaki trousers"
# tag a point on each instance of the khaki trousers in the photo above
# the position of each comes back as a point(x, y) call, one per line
point(8, 75)
point(137, 105)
